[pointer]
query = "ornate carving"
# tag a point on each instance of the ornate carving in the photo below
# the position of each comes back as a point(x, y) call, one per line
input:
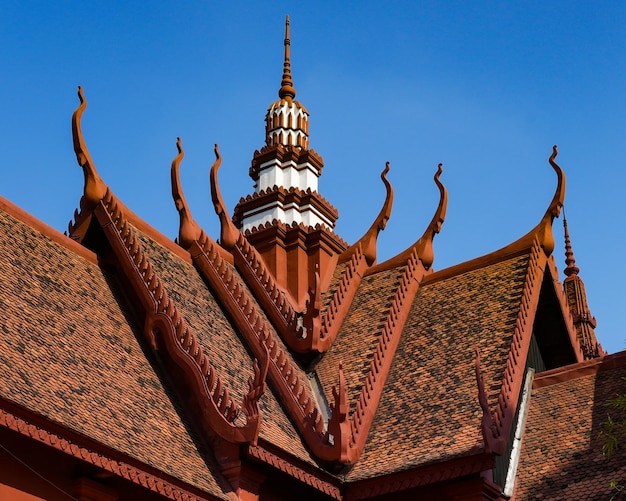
point(292, 389)
point(512, 380)
point(288, 466)
point(166, 328)
point(94, 188)
point(424, 246)
point(367, 242)
point(229, 233)
point(494, 441)
point(95, 456)
point(188, 229)
point(371, 392)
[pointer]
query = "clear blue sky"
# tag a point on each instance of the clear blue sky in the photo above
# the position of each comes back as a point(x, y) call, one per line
point(486, 88)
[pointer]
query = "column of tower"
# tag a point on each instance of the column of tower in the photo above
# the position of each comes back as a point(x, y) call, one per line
point(286, 219)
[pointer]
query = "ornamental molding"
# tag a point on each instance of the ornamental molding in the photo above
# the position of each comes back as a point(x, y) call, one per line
point(81, 448)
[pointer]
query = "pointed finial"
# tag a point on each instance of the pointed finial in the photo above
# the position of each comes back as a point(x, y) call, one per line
point(571, 268)
point(286, 85)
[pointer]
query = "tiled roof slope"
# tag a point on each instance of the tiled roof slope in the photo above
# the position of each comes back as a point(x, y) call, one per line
point(217, 336)
point(430, 411)
point(358, 337)
point(561, 456)
point(69, 353)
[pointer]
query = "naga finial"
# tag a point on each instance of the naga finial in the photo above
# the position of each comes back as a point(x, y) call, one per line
point(287, 90)
point(544, 228)
point(229, 233)
point(571, 268)
point(188, 230)
point(94, 188)
point(424, 245)
point(368, 241)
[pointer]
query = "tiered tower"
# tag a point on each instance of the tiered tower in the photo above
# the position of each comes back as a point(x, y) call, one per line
point(286, 219)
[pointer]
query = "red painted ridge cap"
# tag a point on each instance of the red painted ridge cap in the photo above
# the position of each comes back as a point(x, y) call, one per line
point(579, 370)
point(153, 233)
point(46, 230)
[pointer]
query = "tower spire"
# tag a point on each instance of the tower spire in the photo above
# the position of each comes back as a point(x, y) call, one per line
point(574, 289)
point(571, 268)
point(287, 90)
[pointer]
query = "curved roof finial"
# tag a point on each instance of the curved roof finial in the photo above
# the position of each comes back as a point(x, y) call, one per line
point(94, 188)
point(188, 230)
point(424, 246)
point(546, 238)
point(571, 268)
point(229, 233)
point(287, 90)
point(368, 241)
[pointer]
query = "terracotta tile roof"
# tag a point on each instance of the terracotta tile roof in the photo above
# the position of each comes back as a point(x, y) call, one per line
point(429, 411)
point(219, 339)
point(561, 455)
point(69, 353)
point(358, 336)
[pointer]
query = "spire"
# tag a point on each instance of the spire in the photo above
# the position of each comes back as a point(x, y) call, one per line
point(286, 90)
point(571, 268)
point(574, 288)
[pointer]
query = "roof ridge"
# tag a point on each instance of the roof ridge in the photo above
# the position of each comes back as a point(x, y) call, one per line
point(299, 401)
point(424, 245)
point(335, 313)
point(512, 379)
point(362, 418)
point(164, 322)
point(367, 242)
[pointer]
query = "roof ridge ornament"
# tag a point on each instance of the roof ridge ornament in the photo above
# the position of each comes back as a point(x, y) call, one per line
point(424, 245)
point(95, 188)
point(287, 90)
point(369, 239)
point(229, 233)
point(188, 229)
point(544, 228)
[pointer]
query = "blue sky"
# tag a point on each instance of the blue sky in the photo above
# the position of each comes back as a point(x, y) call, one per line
point(486, 88)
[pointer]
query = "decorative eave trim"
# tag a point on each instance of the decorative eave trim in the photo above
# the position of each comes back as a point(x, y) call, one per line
point(168, 333)
point(308, 475)
point(494, 442)
point(48, 231)
point(278, 232)
point(292, 390)
point(43, 431)
point(367, 243)
point(284, 154)
point(284, 196)
point(371, 392)
point(276, 303)
point(513, 378)
point(326, 330)
point(423, 246)
point(418, 477)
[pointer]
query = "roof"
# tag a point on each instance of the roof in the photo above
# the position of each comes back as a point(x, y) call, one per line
point(561, 456)
point(429, 411)
point(289, 351)
point(70, 353)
